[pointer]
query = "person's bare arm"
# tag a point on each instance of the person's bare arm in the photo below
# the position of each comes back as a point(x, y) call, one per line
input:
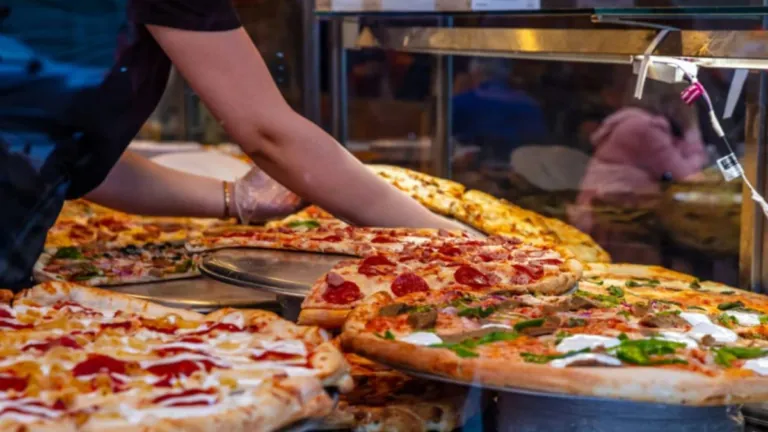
point(137, 185)
point(230, 76)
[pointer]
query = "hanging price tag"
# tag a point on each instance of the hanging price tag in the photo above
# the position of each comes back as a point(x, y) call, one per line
point(505, 5)
point(730, 167)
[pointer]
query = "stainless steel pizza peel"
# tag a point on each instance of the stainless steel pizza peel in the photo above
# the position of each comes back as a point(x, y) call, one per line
point(284, 273)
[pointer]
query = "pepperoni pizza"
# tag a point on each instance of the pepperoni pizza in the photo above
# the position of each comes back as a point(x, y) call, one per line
point(492, 264)
point(83, 359)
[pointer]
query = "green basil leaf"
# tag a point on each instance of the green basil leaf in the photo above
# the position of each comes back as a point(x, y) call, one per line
point(387, 335)
point(728, 292)
point(696, 308)
point(695, 285)
point(542, 359)
point(477, 312)
point(616, 291)
point(309, 224)
point(725, 355)
point(185, 267)
point(730, 305)
point(522, 325)
point(70, 252)
point(727, 321)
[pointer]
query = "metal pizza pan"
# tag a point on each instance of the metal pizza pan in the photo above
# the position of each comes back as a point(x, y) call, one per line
point(200, 294)
point(285, 273)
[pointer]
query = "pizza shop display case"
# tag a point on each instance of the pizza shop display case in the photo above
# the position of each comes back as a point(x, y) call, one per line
point(565, 54)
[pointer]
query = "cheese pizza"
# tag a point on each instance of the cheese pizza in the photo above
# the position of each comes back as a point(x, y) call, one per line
point(629, 332)
point(83, 359)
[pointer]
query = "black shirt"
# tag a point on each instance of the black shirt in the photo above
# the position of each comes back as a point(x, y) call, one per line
point(77, 81)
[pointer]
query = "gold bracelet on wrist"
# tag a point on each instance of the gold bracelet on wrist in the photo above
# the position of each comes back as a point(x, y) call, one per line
point(227, 199)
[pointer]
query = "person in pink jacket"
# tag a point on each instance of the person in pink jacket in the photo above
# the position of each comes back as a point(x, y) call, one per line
point(636, 150)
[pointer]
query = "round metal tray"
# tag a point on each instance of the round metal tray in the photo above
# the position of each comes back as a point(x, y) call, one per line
point(200, 294)
point(524, 410)
point(284, 273)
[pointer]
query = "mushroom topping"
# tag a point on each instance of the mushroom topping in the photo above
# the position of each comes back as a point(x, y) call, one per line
point(423, 319)
point(663, 320)
point(393, 309)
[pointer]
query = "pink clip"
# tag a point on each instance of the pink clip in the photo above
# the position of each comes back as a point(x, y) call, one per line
point(692, 93)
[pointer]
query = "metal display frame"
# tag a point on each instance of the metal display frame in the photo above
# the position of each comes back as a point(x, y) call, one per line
point(732, 48)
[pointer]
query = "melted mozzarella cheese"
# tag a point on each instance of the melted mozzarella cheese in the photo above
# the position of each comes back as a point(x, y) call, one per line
point(421, 338)
point(720, 334)
point(703, 326)
point(204, 399)
point(151, 415)
point(745, 319)
point(694, 318)
point(30, 412)
point(497, 326)
point(582, 341)
point(680, 338)
point(235, 318)
point(181, 357)
point(758, 365)
point(599, 358)
point(292, 347)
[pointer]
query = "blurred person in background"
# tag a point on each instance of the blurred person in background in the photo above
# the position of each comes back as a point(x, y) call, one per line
point(636, 150)
point(490, 113)
point(78, 79)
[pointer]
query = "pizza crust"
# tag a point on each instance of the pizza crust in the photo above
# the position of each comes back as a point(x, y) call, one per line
point(324, 318)
point(6, 296)
point(49, 293)
point(663, 385)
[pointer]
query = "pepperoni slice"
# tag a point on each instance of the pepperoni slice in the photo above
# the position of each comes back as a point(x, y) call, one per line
point(330, 239)
point(276, 356)
point(550, 261)
point(96, 363)
point(172, 351)
point(377, 265)
point(126, 325)
point(13, 324)
point(377, 260)
point(533, 271)
point(181, 368)
point(467, 275)
point(10, 382)
point(177, 399)
point(408, 283)
point(64, 341)
point(383, 239)
point(223, 327)
point(449, 250)
point(345, 293)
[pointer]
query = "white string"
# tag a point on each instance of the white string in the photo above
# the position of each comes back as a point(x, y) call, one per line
point(719, 130)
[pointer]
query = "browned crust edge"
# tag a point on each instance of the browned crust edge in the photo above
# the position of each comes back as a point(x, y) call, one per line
point(324, 318)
